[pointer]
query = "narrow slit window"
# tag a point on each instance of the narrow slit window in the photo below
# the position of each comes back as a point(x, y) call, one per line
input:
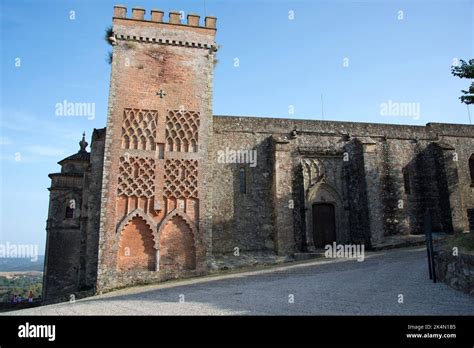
point(471, 168)
point(406, 181)
point(243, 180)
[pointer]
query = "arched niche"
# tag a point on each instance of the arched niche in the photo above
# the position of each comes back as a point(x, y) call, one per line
point(177, 242)
point(136, 250)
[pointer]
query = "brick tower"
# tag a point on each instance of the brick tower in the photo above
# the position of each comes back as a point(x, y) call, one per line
point(155, 219)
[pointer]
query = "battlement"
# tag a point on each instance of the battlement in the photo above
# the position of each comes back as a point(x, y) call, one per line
point(157, 16)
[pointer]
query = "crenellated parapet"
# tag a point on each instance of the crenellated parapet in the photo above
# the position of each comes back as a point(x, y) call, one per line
point(157, 16)
point(156, 30)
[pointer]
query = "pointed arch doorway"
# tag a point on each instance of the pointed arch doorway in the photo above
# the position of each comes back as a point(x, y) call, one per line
point(324, 224)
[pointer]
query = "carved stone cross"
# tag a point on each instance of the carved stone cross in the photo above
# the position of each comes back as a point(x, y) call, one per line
point(161, 93)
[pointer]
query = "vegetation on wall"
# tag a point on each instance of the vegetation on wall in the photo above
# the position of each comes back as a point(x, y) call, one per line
point(109, 38)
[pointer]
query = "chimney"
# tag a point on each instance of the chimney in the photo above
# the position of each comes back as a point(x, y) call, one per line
point(210, 22)
point(120, 11)
point(193, 20)
point(138, 13)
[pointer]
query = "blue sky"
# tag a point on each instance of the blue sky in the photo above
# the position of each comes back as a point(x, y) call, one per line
point(283, 62)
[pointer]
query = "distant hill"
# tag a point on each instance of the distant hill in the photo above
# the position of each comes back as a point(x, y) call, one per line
point(21, 264)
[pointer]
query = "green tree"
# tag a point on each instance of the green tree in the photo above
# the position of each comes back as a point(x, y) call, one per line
point(465, 70)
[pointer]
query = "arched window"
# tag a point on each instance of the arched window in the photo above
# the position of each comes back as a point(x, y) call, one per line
point(471, 168)
point(243, 180)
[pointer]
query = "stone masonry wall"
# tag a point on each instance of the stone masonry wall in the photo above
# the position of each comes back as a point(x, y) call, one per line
point(371, 183)
point(65, 238)
point(455, 271)
point(72, 243)
point(461, 192)
point(93, 194)
point(235, 213)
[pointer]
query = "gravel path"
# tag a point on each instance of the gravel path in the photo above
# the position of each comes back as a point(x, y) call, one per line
point(318, 287)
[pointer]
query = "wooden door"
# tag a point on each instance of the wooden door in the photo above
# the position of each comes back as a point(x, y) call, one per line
point(324, 224)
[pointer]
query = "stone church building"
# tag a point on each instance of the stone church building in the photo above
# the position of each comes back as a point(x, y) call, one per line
point(151, 201)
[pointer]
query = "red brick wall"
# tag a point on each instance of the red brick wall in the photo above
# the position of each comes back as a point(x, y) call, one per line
point(177, 249)
point(136, 250)
point(150, 57)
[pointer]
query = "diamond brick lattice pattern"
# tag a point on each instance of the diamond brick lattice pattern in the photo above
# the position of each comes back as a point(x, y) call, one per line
point(139, 129)
point(137, 177)
point(181, 178)
point(182, 131)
